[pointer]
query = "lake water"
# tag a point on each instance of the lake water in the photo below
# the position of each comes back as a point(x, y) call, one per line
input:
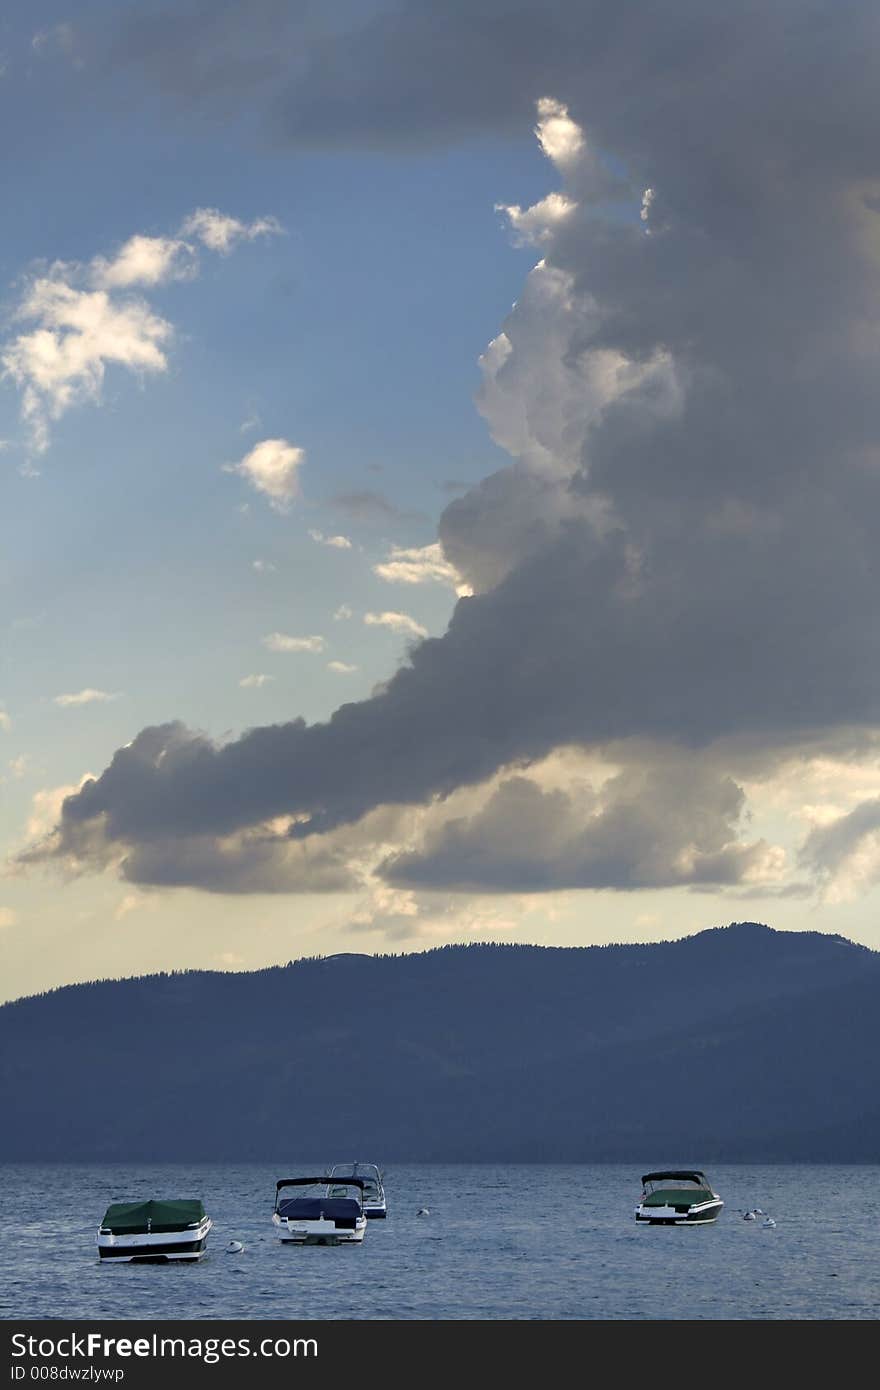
point(508, 1242)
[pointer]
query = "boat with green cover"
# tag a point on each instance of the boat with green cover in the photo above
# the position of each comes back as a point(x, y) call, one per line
point(678, 1197)
point(154, 1231)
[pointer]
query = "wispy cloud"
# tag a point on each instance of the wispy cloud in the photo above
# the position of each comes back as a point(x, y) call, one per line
point(337, 542)
point(342, 668)
point(369, 506)
point(424, 565)
point(7, 917)
point(397, 622)
point(272, 467)
point(263, 566)
point(86, 697)
point(222, 233)
point(5, 721)
point(343, 611)
point(255, 681)
point(280, 642)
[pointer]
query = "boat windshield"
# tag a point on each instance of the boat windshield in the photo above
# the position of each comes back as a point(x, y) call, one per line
point(367, 1172)
point(673, 1184)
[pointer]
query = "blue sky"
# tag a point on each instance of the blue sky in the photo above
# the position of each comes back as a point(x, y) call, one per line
point(384, 233)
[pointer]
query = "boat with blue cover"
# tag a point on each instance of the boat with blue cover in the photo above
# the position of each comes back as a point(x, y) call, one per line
point(322, 1217)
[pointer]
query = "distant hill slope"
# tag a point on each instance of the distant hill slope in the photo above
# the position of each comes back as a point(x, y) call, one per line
point(739, 1043)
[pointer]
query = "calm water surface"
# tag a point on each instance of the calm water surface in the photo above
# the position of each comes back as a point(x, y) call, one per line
point(513, 1242)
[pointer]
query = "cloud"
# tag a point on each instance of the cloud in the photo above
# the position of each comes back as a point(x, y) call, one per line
point(144, 260)
point(537, 223)
point(263, 566)
point(8, 917)
point(62, 361)
point(342, 612)
point(683, 549)
point(272, 467)
point(844, 854)
point(671, 825)
point(255, 681)
point(336, 542)
point(397, 622)
point(85, 697)
point(368, 506)
point(18, 766)
point(134, 902)
point(58, 39)
point(423, 565)
point(5, 721)
point(280, 642)
point(222, 233)
point(79, 319)
point(342, 668)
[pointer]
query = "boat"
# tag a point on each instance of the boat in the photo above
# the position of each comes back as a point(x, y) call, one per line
point(321, 1218)
point(678, 1197)
point(374, 1192)
point(153, 1232)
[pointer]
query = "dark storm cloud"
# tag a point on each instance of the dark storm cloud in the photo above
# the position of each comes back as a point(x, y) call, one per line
point(701, 557)
point(649, 828)
point(827, 848)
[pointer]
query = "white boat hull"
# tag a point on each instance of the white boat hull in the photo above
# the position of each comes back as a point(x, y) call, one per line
point(154, 1246)
point(320, 1231)
point(700, 1214)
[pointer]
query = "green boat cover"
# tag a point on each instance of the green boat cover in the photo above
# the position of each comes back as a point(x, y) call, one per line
point(131, 1218)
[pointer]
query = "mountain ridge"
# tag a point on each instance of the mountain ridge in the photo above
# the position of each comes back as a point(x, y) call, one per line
point(736, 1044)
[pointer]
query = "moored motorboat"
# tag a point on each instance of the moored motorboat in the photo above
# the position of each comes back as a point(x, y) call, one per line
point(320, 1218)
point(374, 1202)
point(678, 1197)
point(153, 1232)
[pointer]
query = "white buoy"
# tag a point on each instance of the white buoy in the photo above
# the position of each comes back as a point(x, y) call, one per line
point(234, 1247)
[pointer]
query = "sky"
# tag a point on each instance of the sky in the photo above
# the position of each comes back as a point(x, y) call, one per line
point(440, 471)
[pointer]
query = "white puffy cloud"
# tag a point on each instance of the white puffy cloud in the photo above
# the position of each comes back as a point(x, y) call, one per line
point(5, 721)
point(77, 319)
point(281, 642)
point(85, 697)
point(272, 467)
point(341, 668)
point(422, 565)
point(144, 260)
point(220, 232)
point(8, 917)
point(397, 622)
point(560, 137)
point(61, 362)
point(255, 681)
point(533, 225)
